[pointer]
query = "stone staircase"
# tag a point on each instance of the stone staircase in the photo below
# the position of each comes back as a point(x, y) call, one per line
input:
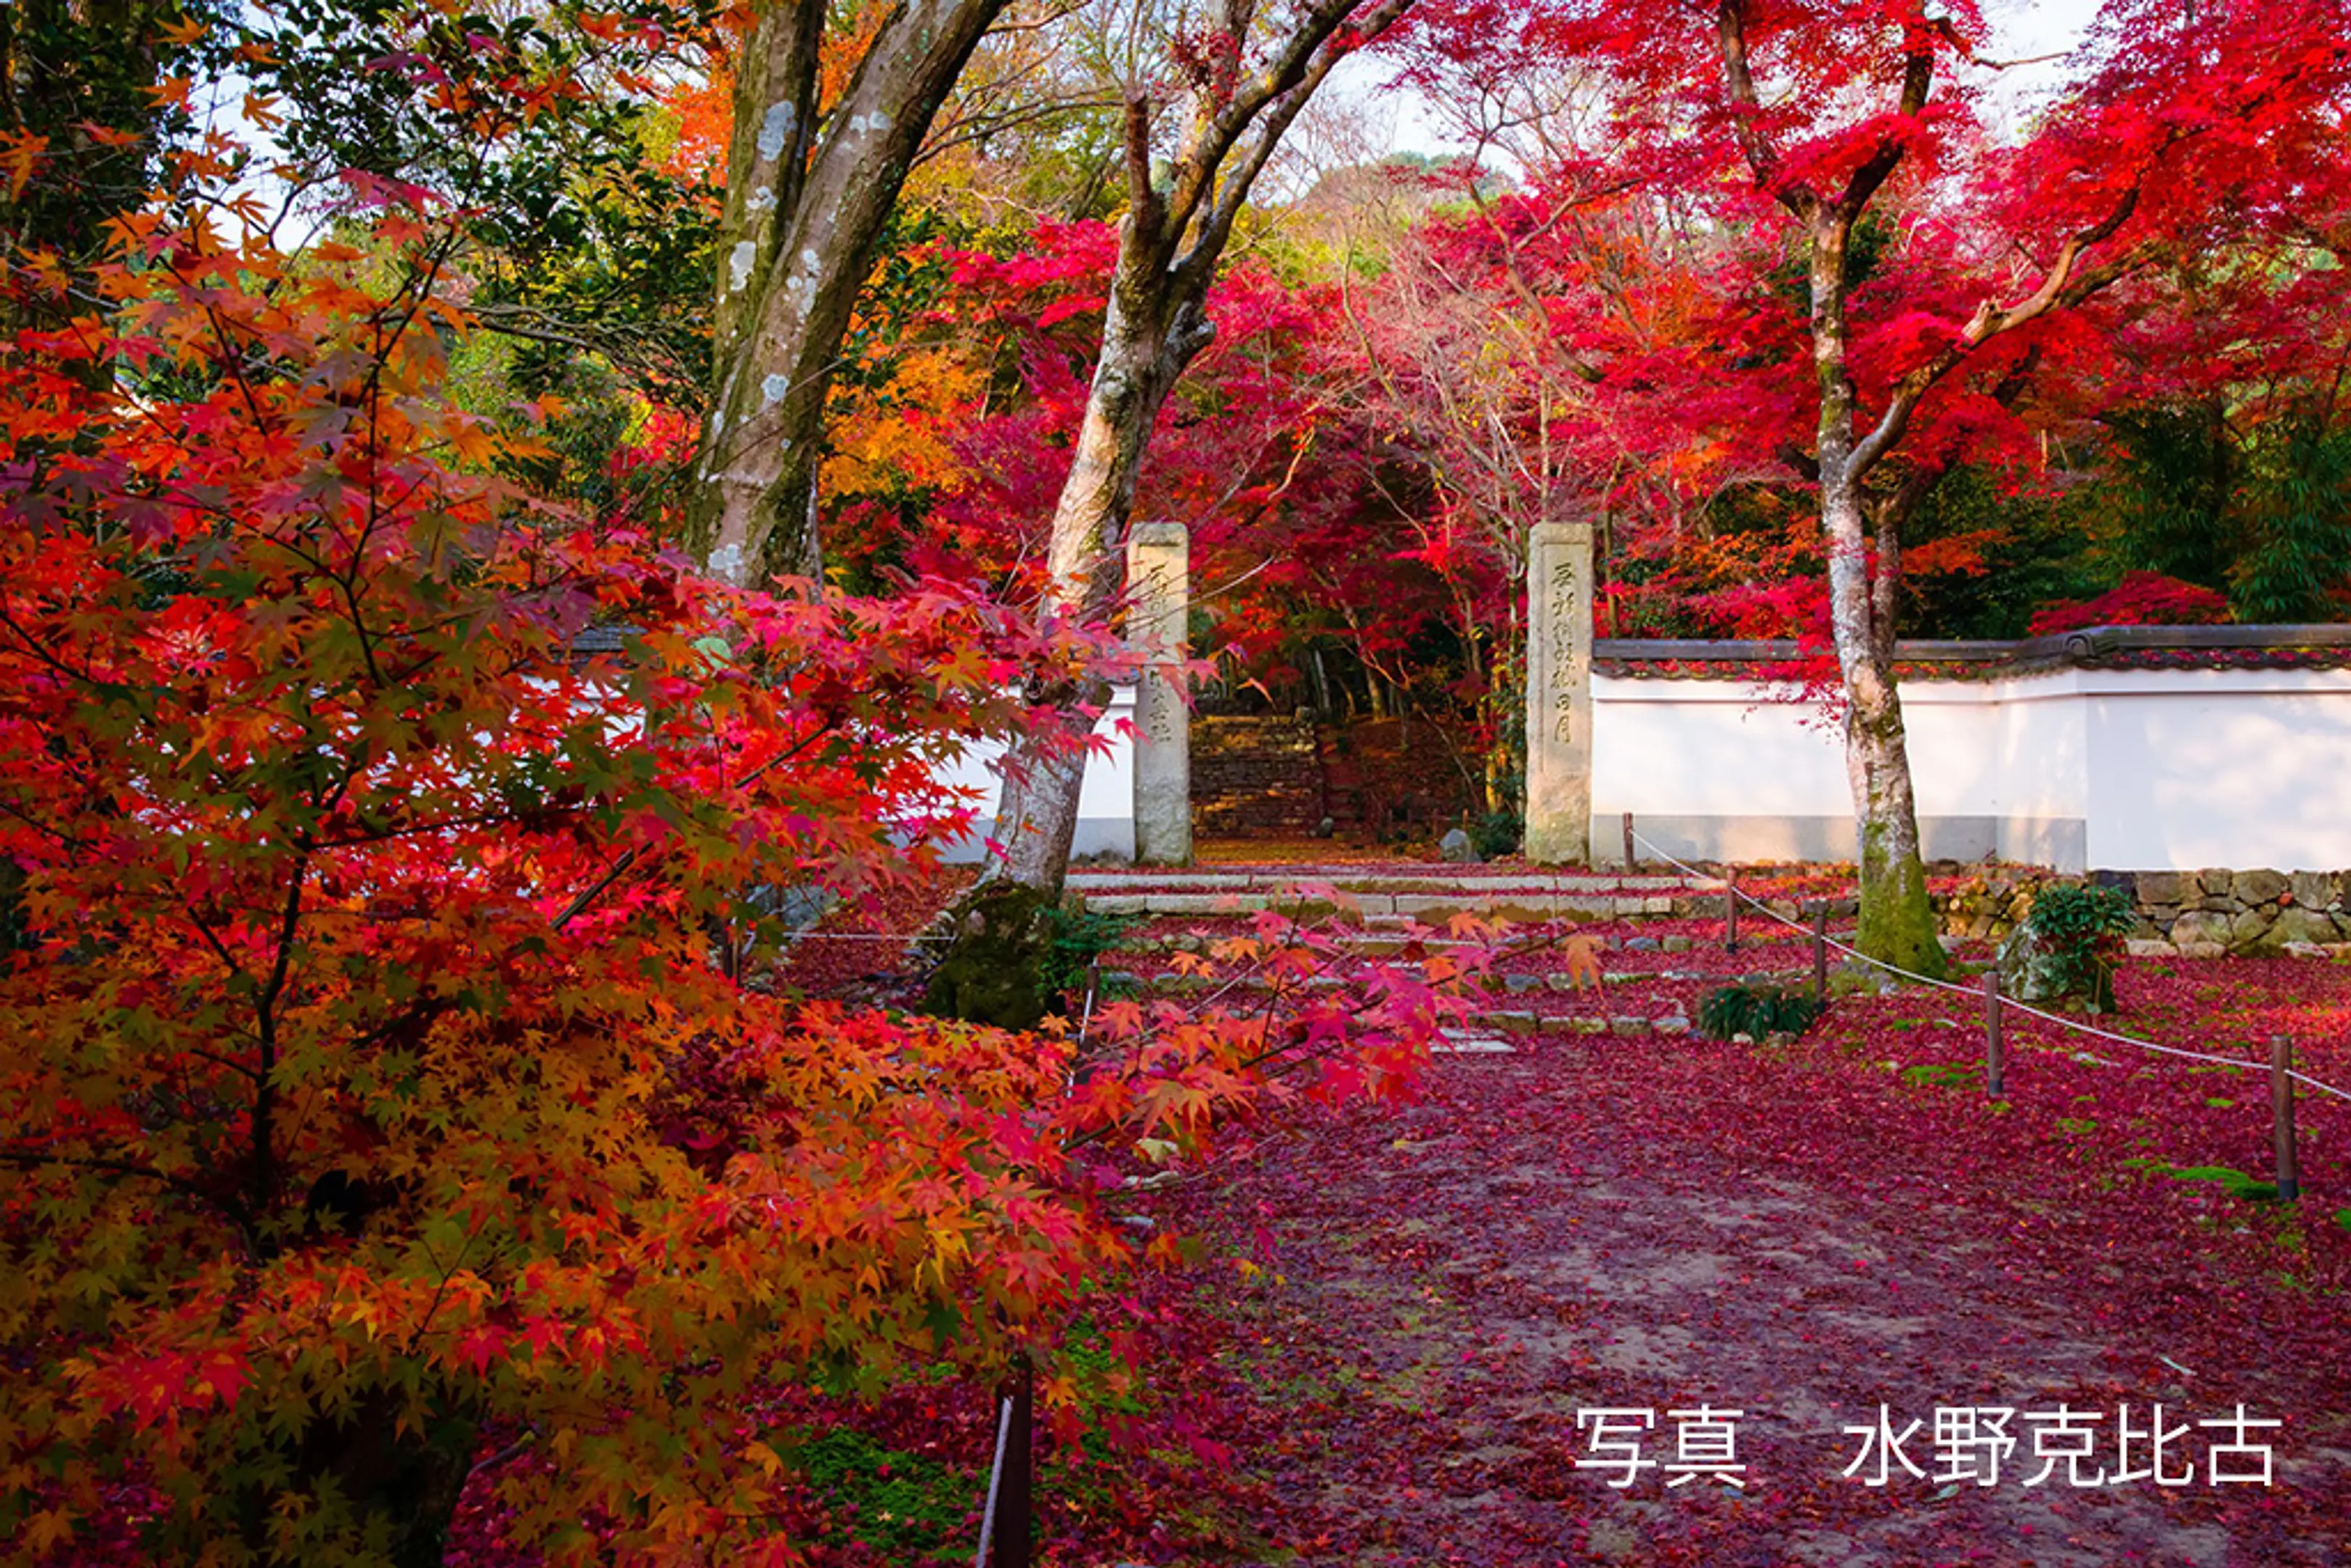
point(1380, 898)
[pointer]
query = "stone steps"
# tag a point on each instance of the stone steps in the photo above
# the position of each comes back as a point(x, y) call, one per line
point(1363, 879)
point(1394, 911)
point(1389, 900)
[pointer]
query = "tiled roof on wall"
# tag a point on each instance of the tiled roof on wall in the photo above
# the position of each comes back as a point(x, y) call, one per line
point(2091, 648)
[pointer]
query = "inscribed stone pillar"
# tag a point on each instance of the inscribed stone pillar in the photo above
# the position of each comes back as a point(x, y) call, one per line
point(1559, 694)
point(1159, 586)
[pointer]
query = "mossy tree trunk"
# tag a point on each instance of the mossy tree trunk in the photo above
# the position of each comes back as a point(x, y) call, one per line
point(1180, 214)
point(1898, 925)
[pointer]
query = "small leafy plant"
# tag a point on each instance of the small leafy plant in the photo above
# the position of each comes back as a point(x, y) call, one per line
point(2235, 1183)
point(1756, 1011)
point(2080, 928)
point(1497, 834)
point(1075, 938)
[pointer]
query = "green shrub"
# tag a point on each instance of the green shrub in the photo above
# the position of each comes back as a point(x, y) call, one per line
point(1495, 834)
point(2080, 929)
point(1756, 1011)
point(1075, 938)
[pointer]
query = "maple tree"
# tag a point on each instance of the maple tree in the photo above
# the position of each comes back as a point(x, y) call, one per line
point(391, 1074)
point(1235, 86)
point(1870, 361)
point(820, 144)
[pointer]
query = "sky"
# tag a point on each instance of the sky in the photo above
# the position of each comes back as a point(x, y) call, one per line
point(2020, 29)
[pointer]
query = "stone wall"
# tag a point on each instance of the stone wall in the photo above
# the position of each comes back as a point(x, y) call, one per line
point(2197, 913)
point(1378, 780)
point(1392, 779)
point(1254, 779)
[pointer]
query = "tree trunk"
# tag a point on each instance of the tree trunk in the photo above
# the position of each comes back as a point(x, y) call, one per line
point(1898, 924)
point(1037, 813)
point(805, 211)
point(408, 1481)
point(1170, 244)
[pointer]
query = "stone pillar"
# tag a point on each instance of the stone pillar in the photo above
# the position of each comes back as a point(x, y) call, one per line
point(1559, 694)
point(1159, 588)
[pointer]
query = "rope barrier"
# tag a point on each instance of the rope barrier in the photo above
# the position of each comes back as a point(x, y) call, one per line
point(1770, 913)
point(859, 936)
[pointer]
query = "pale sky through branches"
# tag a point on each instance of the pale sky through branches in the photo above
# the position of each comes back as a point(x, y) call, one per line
point(2022, 29)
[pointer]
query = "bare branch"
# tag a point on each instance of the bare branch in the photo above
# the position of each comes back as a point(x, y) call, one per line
point(1747, 109)
point(1992, 319)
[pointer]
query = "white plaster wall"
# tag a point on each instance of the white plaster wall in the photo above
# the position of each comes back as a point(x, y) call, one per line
point(2211, 767)
point(2123, 769)
point(1705, 748)
point(1105, 799)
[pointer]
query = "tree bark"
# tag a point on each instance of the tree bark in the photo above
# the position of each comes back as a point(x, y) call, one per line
point(1170, 244)
point(1896, 923)
point(805, 206)
point(1142, 359)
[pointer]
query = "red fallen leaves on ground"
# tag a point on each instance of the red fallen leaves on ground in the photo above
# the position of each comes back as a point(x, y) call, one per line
point(1803, 1233)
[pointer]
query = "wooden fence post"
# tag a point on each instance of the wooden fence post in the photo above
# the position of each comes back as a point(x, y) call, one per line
point(1006, 1525)
point(2289, 1161)
point(1731, 916)
point(1629, 862)
point(1821, 952)
point(1995, 1066)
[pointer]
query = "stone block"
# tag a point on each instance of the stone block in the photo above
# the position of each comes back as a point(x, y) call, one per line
point(1202, 902)
point(1628, 1027)
point(1430, 909)
point(1673, 1023)
point(1470, 1045)
point(2162, 887)
point(2149, 947)
point(1677, 944)
point(2250, 926)
point(2199, 927)
point(2257, 887)
point(1116, 903)
point(1587, 1026)
point(2304, 950)
point(2201, 950)
point(2215, 883)
point(1509, 1022)
point(2298, 925)
point(2314, 889)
